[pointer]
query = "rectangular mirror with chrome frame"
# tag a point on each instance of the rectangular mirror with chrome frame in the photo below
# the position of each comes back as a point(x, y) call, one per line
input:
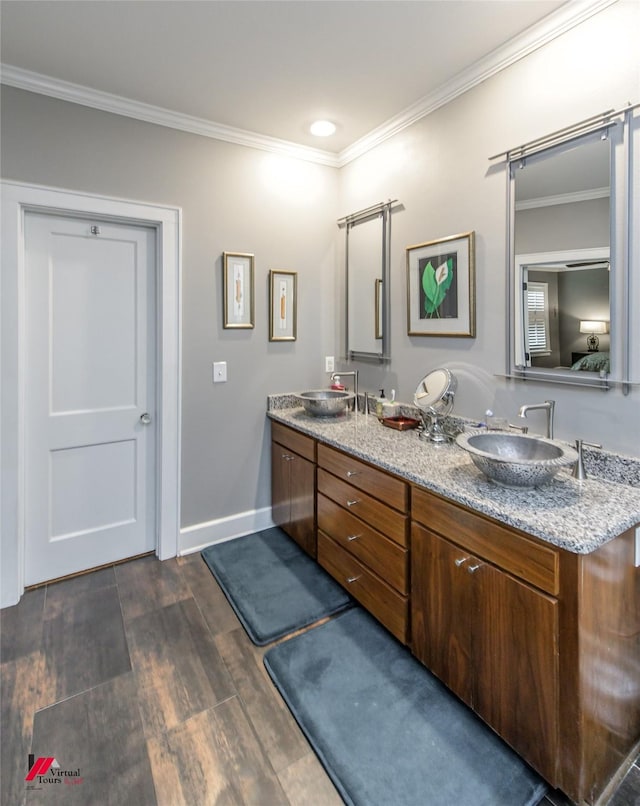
point(367, 259)
point(568, 271)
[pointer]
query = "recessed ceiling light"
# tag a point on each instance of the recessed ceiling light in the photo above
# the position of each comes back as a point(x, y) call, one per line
point(323, 128)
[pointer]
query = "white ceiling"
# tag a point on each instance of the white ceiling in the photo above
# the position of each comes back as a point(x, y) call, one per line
point(271, 67)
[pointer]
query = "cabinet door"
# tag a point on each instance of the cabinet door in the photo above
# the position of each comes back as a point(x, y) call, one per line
point(515, 653)
point(280, 494)
point(441, 610)
point(302, 485)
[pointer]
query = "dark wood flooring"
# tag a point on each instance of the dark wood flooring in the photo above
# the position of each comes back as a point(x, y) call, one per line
point(140, 678)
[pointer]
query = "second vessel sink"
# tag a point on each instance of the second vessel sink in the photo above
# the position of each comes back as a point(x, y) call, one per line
point(516, 460)
point(325, 402)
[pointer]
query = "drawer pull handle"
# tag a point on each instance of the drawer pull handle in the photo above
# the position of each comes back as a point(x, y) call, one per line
point(287, 457)
point(473, 568)
point(353, 502)
point(353, 537)
point(352, 579)
point(353, 473)
point(461, 561)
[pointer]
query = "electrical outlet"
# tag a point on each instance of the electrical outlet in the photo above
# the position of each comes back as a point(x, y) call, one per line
point(329, 364)
point(220, 372)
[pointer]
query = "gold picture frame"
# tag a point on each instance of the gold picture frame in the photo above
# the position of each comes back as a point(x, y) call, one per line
point(283, 304)
point(238, 307)
point(441, 287)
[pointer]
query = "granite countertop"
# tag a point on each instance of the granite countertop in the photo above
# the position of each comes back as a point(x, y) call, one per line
point(578, 516)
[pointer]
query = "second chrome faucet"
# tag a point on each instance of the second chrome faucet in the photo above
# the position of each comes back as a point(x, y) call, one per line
point(548, 406)
point(352, 374)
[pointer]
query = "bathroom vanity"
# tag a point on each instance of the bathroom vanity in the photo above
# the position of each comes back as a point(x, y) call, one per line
point(526, 604)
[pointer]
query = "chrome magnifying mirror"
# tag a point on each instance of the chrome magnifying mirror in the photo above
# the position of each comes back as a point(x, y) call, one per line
point(434, 397)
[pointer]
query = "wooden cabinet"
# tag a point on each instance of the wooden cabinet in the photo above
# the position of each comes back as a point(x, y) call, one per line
point(492, 639)
point(293, 485)
point(542, 643)
point(363, 535)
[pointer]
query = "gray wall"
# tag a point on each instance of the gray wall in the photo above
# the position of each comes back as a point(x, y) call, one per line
point(238, 199)
point(440, 171)
point(583, 295)
point(582, 225)
point(234, 199)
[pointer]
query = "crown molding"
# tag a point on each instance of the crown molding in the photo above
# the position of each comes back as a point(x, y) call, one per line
point(118, 105)
point(566, 17)
point(554, 25)
point(563, 198)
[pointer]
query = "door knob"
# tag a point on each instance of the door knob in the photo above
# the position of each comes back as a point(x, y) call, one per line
point(145, 418)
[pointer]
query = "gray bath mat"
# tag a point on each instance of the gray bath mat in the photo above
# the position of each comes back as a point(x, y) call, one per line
point(273, 586)
point(386, 730)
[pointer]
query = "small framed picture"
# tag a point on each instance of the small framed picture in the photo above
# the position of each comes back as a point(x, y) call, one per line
point(237, 290)
point(283, 305)
point(441, 290)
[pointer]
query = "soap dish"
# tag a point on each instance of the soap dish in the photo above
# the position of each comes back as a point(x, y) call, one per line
point(400, 423)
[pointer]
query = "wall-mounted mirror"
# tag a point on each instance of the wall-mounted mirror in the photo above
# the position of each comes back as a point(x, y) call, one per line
point(367, 257)
point(561, 223)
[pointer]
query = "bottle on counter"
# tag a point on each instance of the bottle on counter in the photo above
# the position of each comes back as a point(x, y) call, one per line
point(389, 405)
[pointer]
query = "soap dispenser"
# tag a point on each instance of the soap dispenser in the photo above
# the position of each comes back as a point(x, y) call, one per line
point(336, 384)
point(380, 403)
point(388, 406)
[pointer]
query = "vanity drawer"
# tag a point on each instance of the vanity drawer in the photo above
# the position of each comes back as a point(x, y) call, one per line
point(383, 556)
point(386, 520)
point(377, 483)
point(498, 544)
point(294, 441)
point(388, 606)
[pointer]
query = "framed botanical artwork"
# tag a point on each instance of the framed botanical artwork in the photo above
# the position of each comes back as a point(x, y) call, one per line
point(441, 292)
point(237, 290)
point(283, 305)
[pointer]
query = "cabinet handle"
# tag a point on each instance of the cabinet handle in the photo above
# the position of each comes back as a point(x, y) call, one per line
point(353, 473)
point(353, 537)
point(352, 579)
point(461, 561)
point(287, 457)
point(473, 568)
point(353, 502)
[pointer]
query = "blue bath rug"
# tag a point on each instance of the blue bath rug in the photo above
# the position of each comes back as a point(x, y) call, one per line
point(385, 729)
point(273, 586)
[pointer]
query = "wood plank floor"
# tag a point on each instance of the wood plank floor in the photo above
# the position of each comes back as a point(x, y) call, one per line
point(141, 678)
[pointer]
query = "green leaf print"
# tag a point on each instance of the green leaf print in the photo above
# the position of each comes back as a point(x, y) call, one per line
point(435, 284)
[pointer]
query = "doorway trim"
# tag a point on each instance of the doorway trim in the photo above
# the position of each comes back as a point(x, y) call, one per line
point(17, 199)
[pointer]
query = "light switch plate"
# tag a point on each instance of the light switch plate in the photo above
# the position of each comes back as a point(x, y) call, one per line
point(220, 372)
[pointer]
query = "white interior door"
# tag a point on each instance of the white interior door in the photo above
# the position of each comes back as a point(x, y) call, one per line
point(90, 394)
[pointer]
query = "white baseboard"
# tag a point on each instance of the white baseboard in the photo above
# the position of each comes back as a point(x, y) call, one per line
point(200, 535)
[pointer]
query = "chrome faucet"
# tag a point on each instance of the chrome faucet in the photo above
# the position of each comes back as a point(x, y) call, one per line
point(354, 374)
point(548, 406)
